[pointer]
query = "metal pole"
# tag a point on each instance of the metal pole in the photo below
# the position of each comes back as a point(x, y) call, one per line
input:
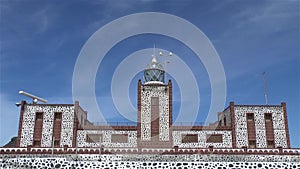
point(265, 87)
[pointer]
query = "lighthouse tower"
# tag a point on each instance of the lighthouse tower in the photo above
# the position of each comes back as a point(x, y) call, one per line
point(154, 108)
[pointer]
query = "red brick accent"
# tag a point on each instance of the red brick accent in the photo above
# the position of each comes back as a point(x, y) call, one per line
point(269, 128)
point(200, 128)
point(170, 112)
point(38, 127)
point(283, 104)
point(92, 127)
point(139, 95)
point(251, 127)
point(170, 103)
point(154, 118)
point(57, 123)
point(233, 125)
point(23, 105)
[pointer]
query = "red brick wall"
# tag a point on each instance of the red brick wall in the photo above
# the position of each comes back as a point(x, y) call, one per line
point(57, 125)
point(38, 127)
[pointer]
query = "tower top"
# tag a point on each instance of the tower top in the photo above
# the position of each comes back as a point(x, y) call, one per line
point(154, 72)
point(154, 64)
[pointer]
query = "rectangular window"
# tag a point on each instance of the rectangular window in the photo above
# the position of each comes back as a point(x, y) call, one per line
point(93, 138)
point(189, 138)
point(252, 144)
point(39, 116)
point(214, 138)
point(119, 138)
point(250, 116)
point(270, 144)
point(57, 116)
point(36, 143)
point(56, 143)
point(268, 116)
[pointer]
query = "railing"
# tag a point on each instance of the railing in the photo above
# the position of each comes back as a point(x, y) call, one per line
point(132, 154)
point(115, 124)
point(190, 124)
point(135, 124)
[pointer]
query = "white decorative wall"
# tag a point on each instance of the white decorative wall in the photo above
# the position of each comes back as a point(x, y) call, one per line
point(227, 139)
point(147, 93)
point(106, 138)
point(46, 141)
point(259, 119)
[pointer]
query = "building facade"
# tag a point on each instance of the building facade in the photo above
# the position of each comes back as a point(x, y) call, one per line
point(238, 126)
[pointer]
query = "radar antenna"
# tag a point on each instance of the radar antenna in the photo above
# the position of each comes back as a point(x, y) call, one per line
point(34, 98)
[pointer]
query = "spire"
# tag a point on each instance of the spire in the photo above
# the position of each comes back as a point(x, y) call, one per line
point(154, 60)
point(153, 54)
point(154, 72)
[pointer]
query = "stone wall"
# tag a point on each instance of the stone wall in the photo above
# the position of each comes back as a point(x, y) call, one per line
point(163, 95)
point(280, 139)
point(28, 122)
point(227, 139)
point(153, 161)
point(106, 138)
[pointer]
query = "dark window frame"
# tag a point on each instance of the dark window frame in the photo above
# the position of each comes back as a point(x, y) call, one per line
point(36, 143)
point(93, 138)
point(189, 138)
point(214, 138)
point(268, 116)
point(252, 145)
point(250, 116)
point(57, 115)
point(270, 144)
point(39, 115)
point(119, 138)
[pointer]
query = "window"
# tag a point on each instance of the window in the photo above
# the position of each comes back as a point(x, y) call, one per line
point(252, 144)
point(189, 138)
point(214, 138)
point(93, 138)
point(270, 144)
point(250, 116)
point(36, 143)
point(119, 138)
point(39, 116)
point(268, 116)
point(57, 116)
point(224, 121)
point(56, 143)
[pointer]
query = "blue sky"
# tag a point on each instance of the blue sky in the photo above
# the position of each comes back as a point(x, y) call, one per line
point(40, 42)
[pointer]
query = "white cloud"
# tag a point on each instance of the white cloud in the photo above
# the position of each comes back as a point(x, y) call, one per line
point(272, 17)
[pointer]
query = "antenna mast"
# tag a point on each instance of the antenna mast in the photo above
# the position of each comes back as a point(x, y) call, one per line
point(265, 87)
point(153, 55)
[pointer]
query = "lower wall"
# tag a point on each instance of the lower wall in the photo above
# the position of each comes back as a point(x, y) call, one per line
point(64, 163)
point(210, 161)
point(226, 139)
point(106, 138)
